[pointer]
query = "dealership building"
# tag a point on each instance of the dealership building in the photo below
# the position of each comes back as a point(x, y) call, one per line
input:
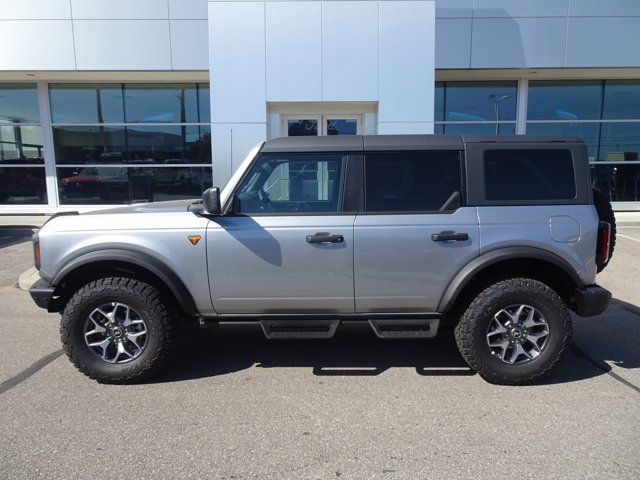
point(108, 102)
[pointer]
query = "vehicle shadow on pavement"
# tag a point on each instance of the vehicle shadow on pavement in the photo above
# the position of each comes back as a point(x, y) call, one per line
point(356, 351)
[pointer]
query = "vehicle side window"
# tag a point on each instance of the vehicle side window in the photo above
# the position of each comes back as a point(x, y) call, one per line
point(412, 181)
point(292, 183)
point(529, 175)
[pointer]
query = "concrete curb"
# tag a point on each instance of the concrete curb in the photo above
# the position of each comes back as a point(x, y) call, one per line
point(28, 278)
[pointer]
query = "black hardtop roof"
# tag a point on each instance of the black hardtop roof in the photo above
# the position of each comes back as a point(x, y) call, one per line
point(359, 143)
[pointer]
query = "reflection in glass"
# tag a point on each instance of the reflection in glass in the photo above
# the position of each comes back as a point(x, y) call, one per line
point(439, 102)
point(588, 132)
point(161, 103)
point(620, 182)
point(621, 99)
point(619, 141)
point(478, 128)
point(123, 185)
point(204, 107)
point(22, 186)
point(168, 144)
point(302, 128)
point(77, 145)
point(564, 100)
point(19, 103)
point(479, 101)
point(343, 126)
point(21, 145)
point(86, 103)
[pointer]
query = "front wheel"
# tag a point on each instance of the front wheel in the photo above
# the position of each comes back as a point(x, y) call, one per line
point(117, 330)
point(514, 331)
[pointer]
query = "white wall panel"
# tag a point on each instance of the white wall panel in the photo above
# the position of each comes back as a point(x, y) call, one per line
point(237, 61)
point(604, 8)
point(188, 9)
point(34, 9)
point(350, 50)
point(122, 44)
point(231, 142)
point(454, 8)
point(518, 42)
point(406, 55)
point(119, 9)
point(591, 41)
point(294, 58)
point(36, 45)
point(453, 42)
point(526, 8)
point(189, 44)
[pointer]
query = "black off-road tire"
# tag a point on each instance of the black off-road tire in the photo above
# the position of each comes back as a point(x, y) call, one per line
point(159, 314)
point(471, 331)
point(605, 214)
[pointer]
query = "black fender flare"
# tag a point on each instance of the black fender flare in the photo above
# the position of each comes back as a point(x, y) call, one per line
point(478, 264)
point(142, 260)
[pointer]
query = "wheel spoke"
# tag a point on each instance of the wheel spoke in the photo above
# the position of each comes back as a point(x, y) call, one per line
point(133, 338)
point(535, 337)
point(502, 345)
point(122, 350)
point(104, 345)
point(517, 351)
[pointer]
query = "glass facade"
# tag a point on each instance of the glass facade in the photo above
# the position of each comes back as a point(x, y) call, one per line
point(120, 143)
point(606, 115)
point(22, 172)
point(475, 107)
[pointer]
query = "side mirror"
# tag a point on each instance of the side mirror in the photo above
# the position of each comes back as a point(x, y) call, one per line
point(211, 201)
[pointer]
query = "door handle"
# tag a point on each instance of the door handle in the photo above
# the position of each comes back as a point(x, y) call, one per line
point(449, 235)
point(324, 237)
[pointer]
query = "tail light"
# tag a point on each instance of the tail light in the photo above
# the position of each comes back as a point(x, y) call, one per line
point(604, 239)
point(36, 254)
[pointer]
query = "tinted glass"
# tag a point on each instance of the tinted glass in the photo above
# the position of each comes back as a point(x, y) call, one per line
point(438, 102)
point(621, 99)
point(204, 107)
point(345, 126)
point(588, 132)
point(529, 175)
point(117, 185)
point(19, 103)
point(619, 141)
point(295, 183)
point(97, 145)
point(619, 182)
point(302, 128)
point(168, 144)
point(161, 103)
point(86, 103)
point(22, 186)
point(551, 100)
point(20, 145)
point(479, 128)
point(480, 101)
point(410, 181)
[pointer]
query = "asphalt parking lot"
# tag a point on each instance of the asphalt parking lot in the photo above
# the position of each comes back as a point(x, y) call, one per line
point(234, 406)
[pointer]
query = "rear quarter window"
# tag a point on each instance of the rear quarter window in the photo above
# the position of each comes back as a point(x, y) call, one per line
point(544, 174)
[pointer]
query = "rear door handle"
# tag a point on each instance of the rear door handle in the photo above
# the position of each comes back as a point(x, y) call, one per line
point(449, 235)
point(324, 237)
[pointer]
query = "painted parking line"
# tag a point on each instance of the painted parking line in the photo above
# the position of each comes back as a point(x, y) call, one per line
point(627, 237)
point(34, 368)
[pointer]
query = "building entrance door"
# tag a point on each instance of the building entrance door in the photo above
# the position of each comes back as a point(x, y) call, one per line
point(316, 125)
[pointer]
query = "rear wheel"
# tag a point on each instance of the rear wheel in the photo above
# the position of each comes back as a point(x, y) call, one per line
point(605, 214)
point(514, 331)
point(117, 330)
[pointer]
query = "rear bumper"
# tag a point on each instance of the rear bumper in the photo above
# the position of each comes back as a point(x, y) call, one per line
point(42, 293)
point(592, 300)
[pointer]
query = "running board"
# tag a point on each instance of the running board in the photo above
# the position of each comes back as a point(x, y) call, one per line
point(299, 328)
point(414, 328)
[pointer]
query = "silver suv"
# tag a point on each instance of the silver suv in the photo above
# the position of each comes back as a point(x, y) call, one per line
point(500, 237)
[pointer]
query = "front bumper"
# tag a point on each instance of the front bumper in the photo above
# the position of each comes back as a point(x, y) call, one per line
point(42, 294)
point(592, 300)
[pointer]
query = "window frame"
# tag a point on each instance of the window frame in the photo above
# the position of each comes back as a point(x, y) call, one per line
point(461, 178)
point(475, 169)
point(349, 167)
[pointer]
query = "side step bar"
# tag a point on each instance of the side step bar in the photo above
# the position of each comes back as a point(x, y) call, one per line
point(299, 328)
point(414, 328)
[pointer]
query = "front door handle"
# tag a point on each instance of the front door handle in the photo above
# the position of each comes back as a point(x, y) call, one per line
point(324, 237)
point(449, 235)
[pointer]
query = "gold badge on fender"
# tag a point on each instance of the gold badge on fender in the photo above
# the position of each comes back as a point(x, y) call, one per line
point(194, 239)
